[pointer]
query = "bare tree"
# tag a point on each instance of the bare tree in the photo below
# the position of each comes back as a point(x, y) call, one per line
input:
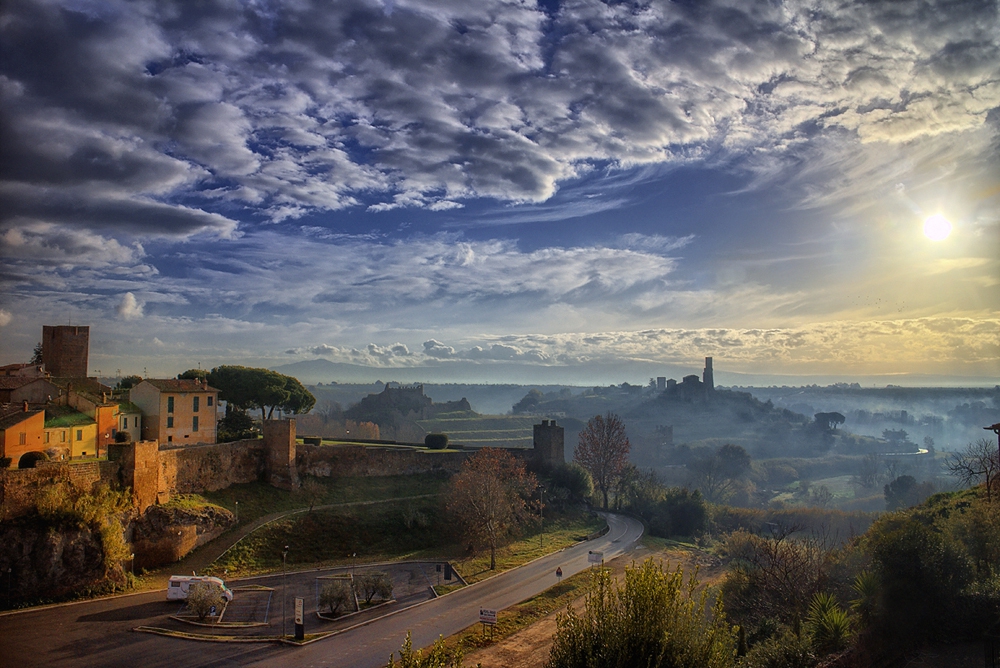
point(487, 497)
point(980, 461)
point(603, 450)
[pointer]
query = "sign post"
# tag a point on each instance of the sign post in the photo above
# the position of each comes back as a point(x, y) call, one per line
point(595, 557)
point(300, 626)
point(488, 617)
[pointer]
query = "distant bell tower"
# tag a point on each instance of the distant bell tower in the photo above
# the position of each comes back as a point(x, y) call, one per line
point(66, 350)
point(548, 442)
point(708, 378)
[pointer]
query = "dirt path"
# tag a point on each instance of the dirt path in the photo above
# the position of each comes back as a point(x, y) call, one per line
point(529, 648)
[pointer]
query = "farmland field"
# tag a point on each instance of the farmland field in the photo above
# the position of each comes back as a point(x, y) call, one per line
point(499, 431)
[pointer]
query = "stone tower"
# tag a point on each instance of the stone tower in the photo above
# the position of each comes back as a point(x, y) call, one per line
point(66, 350)
point(548, 442)
point(708, 378)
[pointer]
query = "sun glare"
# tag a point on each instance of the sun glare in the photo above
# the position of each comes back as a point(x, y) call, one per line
point(937, 228)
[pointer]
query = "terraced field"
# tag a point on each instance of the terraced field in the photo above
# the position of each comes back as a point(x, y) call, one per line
point(479, 431)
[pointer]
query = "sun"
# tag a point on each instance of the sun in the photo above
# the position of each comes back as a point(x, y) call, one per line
point(937, 228)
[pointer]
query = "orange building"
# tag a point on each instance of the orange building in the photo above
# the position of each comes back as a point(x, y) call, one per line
point(21, 431)
point(176, 411)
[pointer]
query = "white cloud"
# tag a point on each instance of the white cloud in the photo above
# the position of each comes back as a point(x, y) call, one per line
point(5, 317)
point(129, 308)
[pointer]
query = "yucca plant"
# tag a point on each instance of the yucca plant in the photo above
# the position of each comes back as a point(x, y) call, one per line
point(828, 625)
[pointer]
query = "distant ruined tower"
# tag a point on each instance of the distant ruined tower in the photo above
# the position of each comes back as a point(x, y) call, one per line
point(66, 350)
point(708, 377)
point(549, 442)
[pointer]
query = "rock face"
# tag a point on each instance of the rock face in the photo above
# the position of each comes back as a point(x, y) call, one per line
point(164, 534)
point(48, 561)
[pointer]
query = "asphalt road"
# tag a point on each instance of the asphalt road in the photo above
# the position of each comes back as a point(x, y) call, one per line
point(99, 633)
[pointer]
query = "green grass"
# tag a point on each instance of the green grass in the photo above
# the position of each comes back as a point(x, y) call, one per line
point(483, 430)
point(257, 499)
point(560, 532)
point(188, 502)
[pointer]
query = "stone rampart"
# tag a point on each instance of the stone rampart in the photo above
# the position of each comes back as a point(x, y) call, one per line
point(337, 461)
point(192, 469)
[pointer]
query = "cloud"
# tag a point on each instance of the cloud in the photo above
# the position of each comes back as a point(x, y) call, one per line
point(129, 308)
point(5, 317)
point(159, 123)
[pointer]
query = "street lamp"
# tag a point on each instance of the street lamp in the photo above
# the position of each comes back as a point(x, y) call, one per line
point(541, 515)
point(284, 554)
point(131, 564)
point(237, 512)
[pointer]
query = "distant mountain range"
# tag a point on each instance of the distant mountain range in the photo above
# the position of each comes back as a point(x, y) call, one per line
point(589, 375)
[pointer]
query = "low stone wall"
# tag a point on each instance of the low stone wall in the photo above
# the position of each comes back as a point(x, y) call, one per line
point(325, 461)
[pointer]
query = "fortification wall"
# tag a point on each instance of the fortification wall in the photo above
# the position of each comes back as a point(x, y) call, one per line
point(326, 461)
point(192, 469)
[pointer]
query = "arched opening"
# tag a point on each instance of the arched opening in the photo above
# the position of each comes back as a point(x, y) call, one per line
point(29, 459)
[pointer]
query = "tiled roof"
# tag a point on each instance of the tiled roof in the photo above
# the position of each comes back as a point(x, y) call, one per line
point(128, 407)
point(14, 415)
point(14, 382)
point(179, 385)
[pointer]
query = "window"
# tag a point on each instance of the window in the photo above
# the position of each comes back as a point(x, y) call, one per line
point(170, 422)
point(170, 404)
point(136, 423)
point(208, 401)
point(47, 434)
point(63, 435)
point(170, 439)
point(79, 434)
point(22, 438)
point(194, 406)
point(194, 423)
point(124, 423)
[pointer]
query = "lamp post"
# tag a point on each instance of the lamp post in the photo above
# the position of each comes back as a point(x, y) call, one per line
point(131, 563)
point(284, 555)
point(237, 513)
point(541, 515)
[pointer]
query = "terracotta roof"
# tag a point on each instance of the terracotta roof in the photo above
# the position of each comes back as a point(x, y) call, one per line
point(179, 385)
point(14, 415)
point(14, 382)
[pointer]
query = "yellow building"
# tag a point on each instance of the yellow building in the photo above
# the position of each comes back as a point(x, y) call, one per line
point(176, 411)
point(69, 433)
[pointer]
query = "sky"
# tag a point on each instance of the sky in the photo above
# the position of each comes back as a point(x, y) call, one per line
point(505, 189)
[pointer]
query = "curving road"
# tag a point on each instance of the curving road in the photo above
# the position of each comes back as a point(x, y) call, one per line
point(98, 633)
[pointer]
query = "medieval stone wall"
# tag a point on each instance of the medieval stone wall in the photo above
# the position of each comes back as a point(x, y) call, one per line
point(325, 461)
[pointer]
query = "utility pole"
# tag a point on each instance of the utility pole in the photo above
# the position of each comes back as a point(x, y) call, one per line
point(541, 515)
point(284, 555)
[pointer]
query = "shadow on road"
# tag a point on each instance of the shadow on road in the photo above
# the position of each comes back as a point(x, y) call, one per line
point(132, 613)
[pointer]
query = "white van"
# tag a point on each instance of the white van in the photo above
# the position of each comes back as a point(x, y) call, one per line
point(179, 586)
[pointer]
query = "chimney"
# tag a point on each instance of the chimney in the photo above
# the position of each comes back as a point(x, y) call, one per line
point(25, 406)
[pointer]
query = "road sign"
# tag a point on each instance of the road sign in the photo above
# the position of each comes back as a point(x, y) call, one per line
point(299, 605)
point(487, 616)
point(595, 557)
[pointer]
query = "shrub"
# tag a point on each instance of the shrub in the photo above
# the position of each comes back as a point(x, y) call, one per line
point(437, 656)
point(785, 650)
point(574, 479)
point(828, 625)
point(5, 462)
point(123, 437)
point(680, 513)
point(436, 441)
point(654, 619)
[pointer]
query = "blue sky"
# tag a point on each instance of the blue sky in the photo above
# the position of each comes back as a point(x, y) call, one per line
point(505, 186)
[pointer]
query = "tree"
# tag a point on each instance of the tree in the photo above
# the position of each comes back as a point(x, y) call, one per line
point(654, 619)
point(487, 497)
point(979, 462)
point(528, 403)
point(248, 388)
point(370, 585)
point(193, 374)
point(128, 382)
point(829, 421)
point(36, 354)
point(235, 426)
point(336, 594)
point(718, 474)
point(437, 656)
point(905, 491)
point(202, 596)
point(603, 450)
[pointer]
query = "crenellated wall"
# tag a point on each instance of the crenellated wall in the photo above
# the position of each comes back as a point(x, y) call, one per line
point(337, 461)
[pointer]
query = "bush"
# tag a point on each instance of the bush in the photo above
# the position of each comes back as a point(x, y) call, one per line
point(123, 437)
point(680, 513)
point(574, 479)
point(828, 625)
point(436, 441)
point(437, 656)
point(654, 619)
point(785, 650)
point(5, 462)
